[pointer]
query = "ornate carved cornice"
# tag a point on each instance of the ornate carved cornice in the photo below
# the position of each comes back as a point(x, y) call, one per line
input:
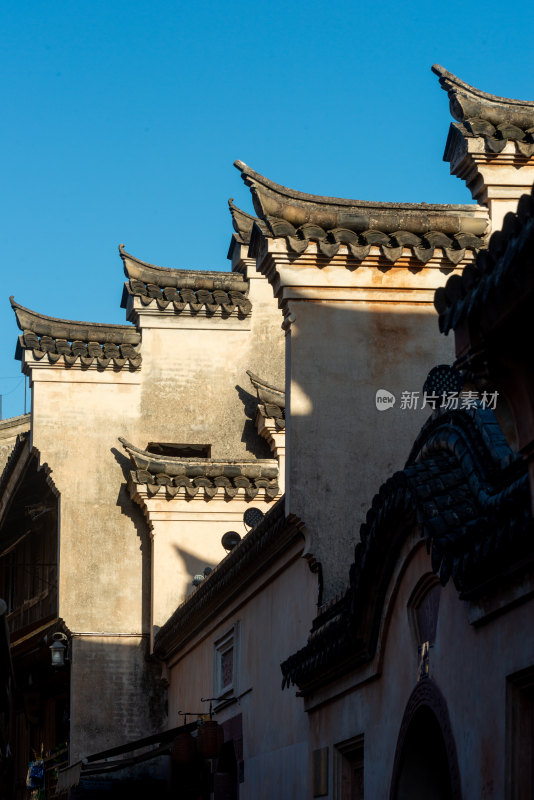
point(497, 120)
point(331, 222)
point(69, 340)
point(170, 475)
point(181, 289)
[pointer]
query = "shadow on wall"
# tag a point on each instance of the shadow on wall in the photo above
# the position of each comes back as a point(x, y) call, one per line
point(133, 511)
point(193, 565)
point(341, 445)
point(255, 444)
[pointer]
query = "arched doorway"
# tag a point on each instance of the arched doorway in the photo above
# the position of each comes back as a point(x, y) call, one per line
point(425, 766)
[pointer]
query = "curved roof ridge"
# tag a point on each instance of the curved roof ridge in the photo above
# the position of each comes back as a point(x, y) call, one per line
point(467, 102)
point(43, 325)
point(274, 202)
point(152, 462)
point(449, 80)
point(251, 177)
point(136, 269)
point(266, 392)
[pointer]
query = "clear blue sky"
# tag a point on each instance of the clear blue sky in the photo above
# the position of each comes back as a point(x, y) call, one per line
point(121, 121)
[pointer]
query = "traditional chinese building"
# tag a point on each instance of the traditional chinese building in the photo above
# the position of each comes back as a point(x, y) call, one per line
point(387, 574)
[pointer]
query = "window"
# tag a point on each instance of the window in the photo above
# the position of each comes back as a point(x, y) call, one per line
point(179, 450)
point(226, 664)
point(348, 769)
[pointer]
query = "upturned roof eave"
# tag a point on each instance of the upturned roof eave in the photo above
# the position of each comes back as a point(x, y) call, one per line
point(274, 201)
point(135, 269)
point(72, 330)
point(143, 459)
point(467, 102)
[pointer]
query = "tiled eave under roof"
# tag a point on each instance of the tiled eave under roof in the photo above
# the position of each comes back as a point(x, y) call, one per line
point(332, 222)
point(171, 474)
point(72, 341)
point(495, 119)
point(180, 289)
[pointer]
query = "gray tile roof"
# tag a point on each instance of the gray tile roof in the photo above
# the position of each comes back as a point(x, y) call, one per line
point(331, 222)
point(208, 474)
point(178, 289)
point(71, 341)
point(496, 119)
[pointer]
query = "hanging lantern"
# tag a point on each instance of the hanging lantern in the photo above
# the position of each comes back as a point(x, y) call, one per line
point(210, 739)
point(183, 749)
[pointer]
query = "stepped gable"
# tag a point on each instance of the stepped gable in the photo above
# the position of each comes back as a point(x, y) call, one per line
point(70, 341)
point(332, 222)
point(499, 280)
point(468, 495)
point(272, 401)
point(495, 119)
point(181, 289)
point(170, 474)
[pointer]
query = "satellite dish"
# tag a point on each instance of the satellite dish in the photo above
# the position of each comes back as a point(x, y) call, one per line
point(230, 540)
point(252, 517)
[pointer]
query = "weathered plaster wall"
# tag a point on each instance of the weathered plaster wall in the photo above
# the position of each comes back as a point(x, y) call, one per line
point(192, 388)
point(195, 386)
point(340, 447)
point(275, 729)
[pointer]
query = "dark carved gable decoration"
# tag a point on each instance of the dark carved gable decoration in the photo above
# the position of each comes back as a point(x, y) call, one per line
point(497, 120)
point(202, 474)
point(498, 282)
point(468, 494)
point(272, 401)
point(84, 342)
point(331, 222)
point(180, 289)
